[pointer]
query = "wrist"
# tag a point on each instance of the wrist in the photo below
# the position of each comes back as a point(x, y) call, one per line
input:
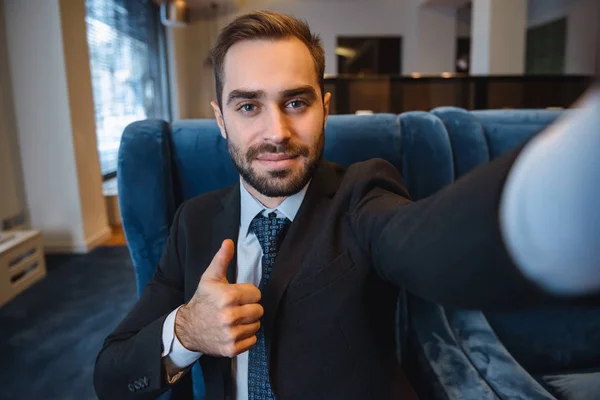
point(182, 319)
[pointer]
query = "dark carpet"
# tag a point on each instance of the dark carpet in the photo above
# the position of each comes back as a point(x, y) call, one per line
point(50, 334)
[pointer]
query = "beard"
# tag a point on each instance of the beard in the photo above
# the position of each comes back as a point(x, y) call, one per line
point(280, 182)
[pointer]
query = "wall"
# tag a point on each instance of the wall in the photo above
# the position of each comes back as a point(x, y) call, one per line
point(192, 84)
point(583, 17)
point(583, 36)
point(463, 21)
point(428, 50)
point(432, 52)
point(540, 12)
point(83, 121)
point(508, 55)
point(43, 125)
point(348, 18)
point(50, 76)
point(12, 192)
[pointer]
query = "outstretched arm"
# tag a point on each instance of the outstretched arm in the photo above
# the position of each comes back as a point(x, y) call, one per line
point(449, 248)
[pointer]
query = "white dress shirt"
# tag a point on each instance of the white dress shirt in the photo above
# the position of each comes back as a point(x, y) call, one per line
point(249, 270)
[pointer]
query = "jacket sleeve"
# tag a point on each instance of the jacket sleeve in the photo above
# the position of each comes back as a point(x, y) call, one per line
point(446, 248)
point(130, 366)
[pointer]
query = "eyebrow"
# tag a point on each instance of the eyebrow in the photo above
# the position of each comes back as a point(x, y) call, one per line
point(306, 90)
point(238, 94)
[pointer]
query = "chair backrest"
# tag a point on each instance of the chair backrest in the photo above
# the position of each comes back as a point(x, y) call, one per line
point(440, 146)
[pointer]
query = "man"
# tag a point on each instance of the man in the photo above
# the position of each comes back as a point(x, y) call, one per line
point(284, 285)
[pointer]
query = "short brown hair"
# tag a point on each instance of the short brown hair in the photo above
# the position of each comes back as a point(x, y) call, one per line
point(265, 25)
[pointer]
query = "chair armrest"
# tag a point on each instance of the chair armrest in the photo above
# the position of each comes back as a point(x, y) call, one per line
point(445, 371)
point(464, 359)
point(486, 353)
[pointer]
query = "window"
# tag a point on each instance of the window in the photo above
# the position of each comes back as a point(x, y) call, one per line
point(127, 61)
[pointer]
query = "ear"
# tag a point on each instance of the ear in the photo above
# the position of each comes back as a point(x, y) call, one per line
point(326, 101)
point(219, 117)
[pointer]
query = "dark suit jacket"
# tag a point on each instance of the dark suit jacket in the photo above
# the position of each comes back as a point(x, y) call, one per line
point(329, 305)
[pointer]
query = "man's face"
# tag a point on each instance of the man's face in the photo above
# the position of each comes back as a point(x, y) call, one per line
point(273, 115)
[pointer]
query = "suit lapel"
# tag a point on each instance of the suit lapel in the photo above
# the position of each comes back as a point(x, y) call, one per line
point(226, 225)
point(297, 243)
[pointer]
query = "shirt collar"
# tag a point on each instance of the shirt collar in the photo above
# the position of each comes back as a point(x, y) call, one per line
point(250, 206)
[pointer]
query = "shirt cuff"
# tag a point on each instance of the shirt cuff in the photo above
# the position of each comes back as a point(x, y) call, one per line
point(548, 212)
point(176, 357)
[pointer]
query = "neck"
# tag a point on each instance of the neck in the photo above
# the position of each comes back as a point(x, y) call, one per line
point(268, 202)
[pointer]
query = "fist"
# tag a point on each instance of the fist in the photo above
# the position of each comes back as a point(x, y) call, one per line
point(221, 319)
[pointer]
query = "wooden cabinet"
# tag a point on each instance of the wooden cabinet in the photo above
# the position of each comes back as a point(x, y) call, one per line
point(22, 263)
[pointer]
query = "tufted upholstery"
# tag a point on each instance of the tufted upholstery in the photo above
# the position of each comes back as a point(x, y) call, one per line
point(457, 354)
point(463, 354)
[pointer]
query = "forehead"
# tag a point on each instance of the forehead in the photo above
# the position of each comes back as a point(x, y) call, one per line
point(269, 65)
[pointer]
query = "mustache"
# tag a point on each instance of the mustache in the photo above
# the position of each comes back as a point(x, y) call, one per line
point(287, 149)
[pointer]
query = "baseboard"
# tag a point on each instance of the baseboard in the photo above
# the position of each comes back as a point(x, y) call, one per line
point(99, 238)
point(90, 244)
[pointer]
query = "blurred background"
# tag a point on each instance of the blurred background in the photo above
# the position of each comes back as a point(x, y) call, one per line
point(75, 73)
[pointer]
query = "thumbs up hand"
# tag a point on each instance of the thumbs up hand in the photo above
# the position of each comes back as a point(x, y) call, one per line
point(222, 318)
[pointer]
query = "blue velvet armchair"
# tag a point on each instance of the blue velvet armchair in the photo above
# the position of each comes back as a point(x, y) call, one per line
point(465, 354)
point(454, 354)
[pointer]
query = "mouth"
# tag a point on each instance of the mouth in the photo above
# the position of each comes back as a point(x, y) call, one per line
point(276, 160)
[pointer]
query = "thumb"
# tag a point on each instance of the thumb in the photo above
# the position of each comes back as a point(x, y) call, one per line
point(217, 270)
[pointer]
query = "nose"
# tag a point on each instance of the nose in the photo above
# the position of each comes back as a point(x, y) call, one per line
point(278, 130)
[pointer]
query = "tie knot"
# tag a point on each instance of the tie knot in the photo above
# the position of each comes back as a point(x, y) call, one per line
point(269, 231)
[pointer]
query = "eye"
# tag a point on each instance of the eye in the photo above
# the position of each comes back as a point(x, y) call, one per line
point(247, 108)
point(296, 104)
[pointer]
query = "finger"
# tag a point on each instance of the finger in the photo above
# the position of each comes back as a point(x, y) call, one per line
point(245, 344)
point(246, 293)
point(245, 331)
point(249, 313)
point(217, 270)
